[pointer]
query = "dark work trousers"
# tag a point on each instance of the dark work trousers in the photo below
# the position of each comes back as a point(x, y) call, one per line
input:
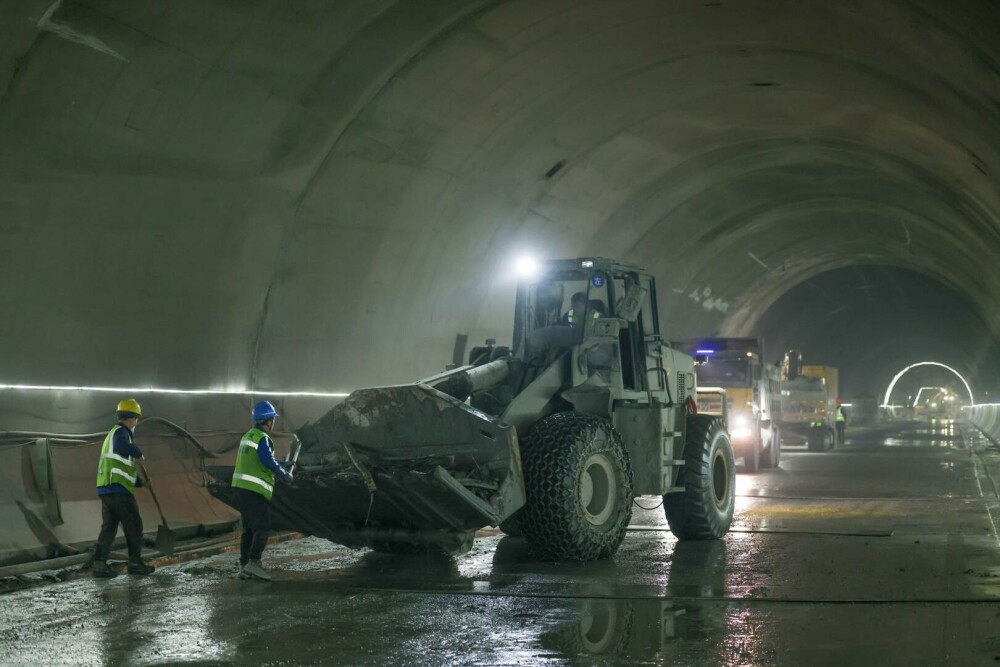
point(841, 428)
point(255, 510)
point(119, 508)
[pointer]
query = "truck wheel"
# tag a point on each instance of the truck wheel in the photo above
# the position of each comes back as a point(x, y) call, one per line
point(769, 457)
point(817, 440)
point(751, 455)
point(578, 483)
point(704, 510)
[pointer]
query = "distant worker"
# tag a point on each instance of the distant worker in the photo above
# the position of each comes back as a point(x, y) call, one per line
point(116, 482)
point(253, 486)
point(840, 421)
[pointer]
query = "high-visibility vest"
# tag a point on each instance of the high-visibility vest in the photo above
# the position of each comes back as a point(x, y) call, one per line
point(250, 473)
point(115, 469)
point(578, 319)
point(840, 414)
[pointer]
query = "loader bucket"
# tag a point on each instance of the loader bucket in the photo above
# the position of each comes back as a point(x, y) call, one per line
point(405, 464)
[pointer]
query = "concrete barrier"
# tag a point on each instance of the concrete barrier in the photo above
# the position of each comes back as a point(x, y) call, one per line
point(986, 418)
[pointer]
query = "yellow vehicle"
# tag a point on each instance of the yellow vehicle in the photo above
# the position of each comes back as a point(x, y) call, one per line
point(808, 402)
point(737, 366)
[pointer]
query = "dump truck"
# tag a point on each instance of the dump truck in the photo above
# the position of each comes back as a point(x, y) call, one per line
point(808, 397)
point(751, 389)
point(551, 437)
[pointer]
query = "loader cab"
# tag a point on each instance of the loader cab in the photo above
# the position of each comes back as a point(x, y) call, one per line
point(613, 344)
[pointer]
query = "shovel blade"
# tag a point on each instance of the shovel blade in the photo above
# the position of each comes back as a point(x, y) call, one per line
point(165, 540)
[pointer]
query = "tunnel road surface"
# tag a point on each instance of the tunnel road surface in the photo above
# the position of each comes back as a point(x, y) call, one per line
point(882, 552)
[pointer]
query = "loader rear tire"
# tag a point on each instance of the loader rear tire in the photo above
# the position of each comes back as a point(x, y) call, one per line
point(704, 510)
point(578, 483)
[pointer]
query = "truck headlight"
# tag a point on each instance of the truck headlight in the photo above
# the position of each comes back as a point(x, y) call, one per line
point(740, 420)
point(740, 433)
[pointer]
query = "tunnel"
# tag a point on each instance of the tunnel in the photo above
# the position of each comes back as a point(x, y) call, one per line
point(205, 204)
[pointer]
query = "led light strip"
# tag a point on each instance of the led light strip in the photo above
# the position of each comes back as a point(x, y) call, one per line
point(158, 390)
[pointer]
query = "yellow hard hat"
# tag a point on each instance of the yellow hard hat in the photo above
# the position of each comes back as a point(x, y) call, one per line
point(130, 405)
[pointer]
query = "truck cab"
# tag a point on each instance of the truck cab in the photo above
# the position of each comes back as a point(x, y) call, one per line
point(736, 365)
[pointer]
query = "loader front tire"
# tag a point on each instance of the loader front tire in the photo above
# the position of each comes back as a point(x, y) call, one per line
point(511, 526)
point(578, 483)
point(704, 510)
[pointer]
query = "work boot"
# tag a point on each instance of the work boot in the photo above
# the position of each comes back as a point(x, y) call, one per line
point(254, 569)
point(138, 567)
point(241, 573)
point(100, 569)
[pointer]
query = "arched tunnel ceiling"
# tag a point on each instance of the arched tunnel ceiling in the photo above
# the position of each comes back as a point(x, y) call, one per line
point(321, 195)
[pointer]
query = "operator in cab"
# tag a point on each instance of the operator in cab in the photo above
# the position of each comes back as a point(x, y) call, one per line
point(577, 307)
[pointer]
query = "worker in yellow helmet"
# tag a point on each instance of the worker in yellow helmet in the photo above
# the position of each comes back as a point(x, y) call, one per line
point(117, 479)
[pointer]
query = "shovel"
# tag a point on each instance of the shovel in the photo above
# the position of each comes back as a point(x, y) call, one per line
point(165, 538)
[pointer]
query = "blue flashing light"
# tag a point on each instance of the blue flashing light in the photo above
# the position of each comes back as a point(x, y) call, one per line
point(704, 351)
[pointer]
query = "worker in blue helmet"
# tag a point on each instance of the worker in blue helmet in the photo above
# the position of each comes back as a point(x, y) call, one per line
point(253, 486)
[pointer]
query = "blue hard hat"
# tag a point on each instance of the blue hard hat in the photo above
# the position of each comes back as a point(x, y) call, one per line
point(263, 411)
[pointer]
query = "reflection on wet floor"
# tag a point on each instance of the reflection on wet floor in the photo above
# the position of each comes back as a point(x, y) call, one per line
point(937, 433)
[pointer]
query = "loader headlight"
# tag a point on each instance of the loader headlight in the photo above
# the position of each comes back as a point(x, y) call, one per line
point(526, 267)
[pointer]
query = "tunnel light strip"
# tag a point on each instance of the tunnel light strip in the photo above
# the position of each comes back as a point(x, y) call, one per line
point(922, 390)
point(162, 390)
point(888, 392)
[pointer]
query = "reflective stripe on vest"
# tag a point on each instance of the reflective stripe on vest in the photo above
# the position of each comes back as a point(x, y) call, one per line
point(253, 480)
point(572, 318)
point(840, 415)
point(250, 473)
point(113, 468)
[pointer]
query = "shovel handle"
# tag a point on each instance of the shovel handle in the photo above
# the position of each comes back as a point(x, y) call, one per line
point(149, 485)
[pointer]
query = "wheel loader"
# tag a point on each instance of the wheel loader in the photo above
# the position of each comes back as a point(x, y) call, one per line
point(551, 437)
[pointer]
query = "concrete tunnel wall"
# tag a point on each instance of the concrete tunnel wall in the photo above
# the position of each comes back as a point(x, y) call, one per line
point(303, 195)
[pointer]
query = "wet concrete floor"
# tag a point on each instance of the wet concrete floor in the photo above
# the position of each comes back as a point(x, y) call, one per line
point(882, 552)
